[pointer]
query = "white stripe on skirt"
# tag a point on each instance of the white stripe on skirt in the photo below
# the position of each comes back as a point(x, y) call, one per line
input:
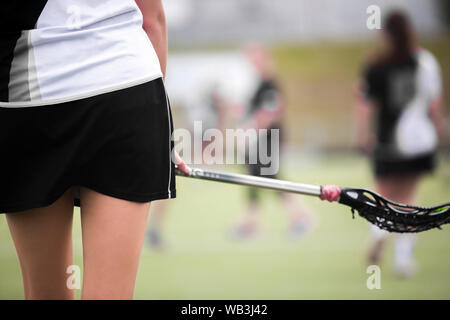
point(170, 145)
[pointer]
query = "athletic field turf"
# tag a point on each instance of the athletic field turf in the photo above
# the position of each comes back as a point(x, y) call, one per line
point(201, 262)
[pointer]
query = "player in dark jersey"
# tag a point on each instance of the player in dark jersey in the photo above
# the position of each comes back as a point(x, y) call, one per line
point(400, 96)
point(266, 112)
point(83, 104)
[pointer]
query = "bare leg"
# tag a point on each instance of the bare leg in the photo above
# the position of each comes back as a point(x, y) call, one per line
point(404, 264)
point(377, 244)
point(301, 219)
point(113, 235)
point(401, 189)
point(43, 240)
point(384, 186)
point(248, 226)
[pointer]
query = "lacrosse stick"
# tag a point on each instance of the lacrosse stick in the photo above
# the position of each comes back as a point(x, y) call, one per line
point(384, 213)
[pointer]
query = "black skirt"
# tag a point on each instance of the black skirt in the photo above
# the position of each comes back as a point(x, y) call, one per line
point(118, 144)
point(417, 165)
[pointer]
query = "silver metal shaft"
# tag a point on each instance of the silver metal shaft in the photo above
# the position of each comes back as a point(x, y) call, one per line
point(247, 180)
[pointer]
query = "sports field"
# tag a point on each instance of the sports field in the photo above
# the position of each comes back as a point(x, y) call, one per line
point(201, 262)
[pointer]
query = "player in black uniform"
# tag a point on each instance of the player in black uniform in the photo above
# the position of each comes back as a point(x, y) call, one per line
point(400, 94)
point(266, 112)
point(83, 105)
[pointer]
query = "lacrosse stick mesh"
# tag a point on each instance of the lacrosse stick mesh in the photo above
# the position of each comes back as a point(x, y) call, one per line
point(394, 217)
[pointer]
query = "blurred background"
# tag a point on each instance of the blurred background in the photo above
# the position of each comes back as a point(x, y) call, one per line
point(319, 49)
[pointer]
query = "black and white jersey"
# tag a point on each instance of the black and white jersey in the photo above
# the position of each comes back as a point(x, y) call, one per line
point(402, 93)
point(56, 51)
point(267, 97)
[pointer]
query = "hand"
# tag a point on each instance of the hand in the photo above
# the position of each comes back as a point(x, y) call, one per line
point(181, 165)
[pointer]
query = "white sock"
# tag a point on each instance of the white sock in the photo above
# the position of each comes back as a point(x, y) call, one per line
point(403, 250)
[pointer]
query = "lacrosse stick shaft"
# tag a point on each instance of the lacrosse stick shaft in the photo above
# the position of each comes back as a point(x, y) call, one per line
point(247, 180)
point(384, 213)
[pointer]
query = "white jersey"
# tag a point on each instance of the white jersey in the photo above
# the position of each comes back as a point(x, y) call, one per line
point(415, 132)
point(64, 50)
point(403, 92)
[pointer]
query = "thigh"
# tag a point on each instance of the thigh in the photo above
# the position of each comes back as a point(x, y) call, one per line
point(399, 188)
point(43, 240)
point(113, 235)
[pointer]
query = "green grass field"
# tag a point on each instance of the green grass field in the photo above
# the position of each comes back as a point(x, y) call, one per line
point(202, 263)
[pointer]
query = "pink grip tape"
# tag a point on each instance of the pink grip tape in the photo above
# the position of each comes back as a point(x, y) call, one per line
point(330, 193)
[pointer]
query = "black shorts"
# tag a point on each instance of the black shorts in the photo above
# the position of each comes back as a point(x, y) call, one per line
point(417, 165)
point(255, 169)
point(118, 144)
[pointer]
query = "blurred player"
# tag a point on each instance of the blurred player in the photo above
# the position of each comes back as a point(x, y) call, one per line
point(401, 92)
point(199, 83)
point(265, 112)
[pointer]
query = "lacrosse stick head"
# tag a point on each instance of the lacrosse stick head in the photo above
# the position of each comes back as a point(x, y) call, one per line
point(392, 216)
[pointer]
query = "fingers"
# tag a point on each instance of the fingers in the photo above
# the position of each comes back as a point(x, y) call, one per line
point(184, 168)
point(181, 165)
